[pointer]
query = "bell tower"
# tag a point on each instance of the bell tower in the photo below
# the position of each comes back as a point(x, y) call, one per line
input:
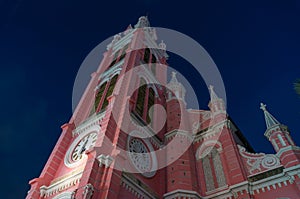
point(90, 159)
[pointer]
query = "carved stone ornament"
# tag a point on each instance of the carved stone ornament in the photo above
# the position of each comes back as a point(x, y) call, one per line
point(88, 191)
point(258, 162)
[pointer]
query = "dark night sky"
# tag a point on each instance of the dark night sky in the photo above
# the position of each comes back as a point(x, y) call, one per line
point(255, 45)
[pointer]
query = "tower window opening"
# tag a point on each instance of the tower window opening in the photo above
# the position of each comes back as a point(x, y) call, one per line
point(147, 55)
point(98, 98)
point(109, 91)
point(140, 104)
point(282, 142)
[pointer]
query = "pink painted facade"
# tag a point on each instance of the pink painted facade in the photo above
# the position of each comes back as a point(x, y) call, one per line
point(207, 154)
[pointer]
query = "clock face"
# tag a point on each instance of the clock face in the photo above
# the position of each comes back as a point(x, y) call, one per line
point(142, 156)
point(83, 144)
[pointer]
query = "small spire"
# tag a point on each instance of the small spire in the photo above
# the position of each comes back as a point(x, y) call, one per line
point(174, 78)
point(176, 87)
point(270, 119)
point(213, 95)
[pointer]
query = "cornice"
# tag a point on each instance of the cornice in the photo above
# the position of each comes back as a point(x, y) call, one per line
point(61, 185)
point(90, 122)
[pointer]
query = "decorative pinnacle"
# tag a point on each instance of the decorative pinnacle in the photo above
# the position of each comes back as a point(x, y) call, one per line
point(270, 119)
point(174, 78)
point(174, 74)
point(213, 95)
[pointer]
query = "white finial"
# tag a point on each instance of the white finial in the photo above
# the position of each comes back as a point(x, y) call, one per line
point(174, 74)
point(263, 107)
point(162, 45)
point(211, 88)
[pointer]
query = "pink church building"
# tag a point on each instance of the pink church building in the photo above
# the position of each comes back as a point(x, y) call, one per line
point(112, 147)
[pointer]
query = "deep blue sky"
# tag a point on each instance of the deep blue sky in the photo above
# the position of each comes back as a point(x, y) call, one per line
point(255, 45)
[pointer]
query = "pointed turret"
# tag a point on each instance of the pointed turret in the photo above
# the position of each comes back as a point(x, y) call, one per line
point(280, 138)
point(273, 124)
point(270, 119)
point(216, 104)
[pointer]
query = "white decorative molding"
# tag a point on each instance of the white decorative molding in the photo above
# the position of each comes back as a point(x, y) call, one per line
point(105, 160)
point(108, 74)
point(90, 123)
point(264, 185)
point(180, 193)
point(206, 115)
point(285, 149)
point(259, 162)
point(119, 42)
point(148, 76)
point(65, 195)
point(206, 147)
point(136, 189)
point(211, 131)
point(178, 133)
point(61, 185)
point(275, 128)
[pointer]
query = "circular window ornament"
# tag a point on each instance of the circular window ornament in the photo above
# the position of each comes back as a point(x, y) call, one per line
point(142, 156)
point(76, 151)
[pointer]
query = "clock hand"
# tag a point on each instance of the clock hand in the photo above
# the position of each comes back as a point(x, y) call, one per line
point(83, 146)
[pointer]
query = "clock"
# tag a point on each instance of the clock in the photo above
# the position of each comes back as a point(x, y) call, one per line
point(76, 151)
point(85, 143)
point(142, 156)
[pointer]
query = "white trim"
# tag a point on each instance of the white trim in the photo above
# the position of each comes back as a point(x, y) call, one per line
point(63, 184)
point(91, 123)
point(65, 195)
point(123, 41)
point(181, 193)
point(108, 74)
point(285, 149)
point(135, 189)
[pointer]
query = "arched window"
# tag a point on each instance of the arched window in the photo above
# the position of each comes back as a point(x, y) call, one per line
point(218, 168)
point(98, 97)
point(150, 104)
point(147, 55)
point(282, 142)
point(153, 65)
point(140, 103)
point(102, 93)
point(209, 179)
point(213, 170)
point(110, 90)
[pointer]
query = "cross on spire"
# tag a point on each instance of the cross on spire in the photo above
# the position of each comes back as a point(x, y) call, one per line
point(270, 119)
point(263, 107)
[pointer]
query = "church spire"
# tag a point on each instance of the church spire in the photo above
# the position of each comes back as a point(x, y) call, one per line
point(270, 119)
